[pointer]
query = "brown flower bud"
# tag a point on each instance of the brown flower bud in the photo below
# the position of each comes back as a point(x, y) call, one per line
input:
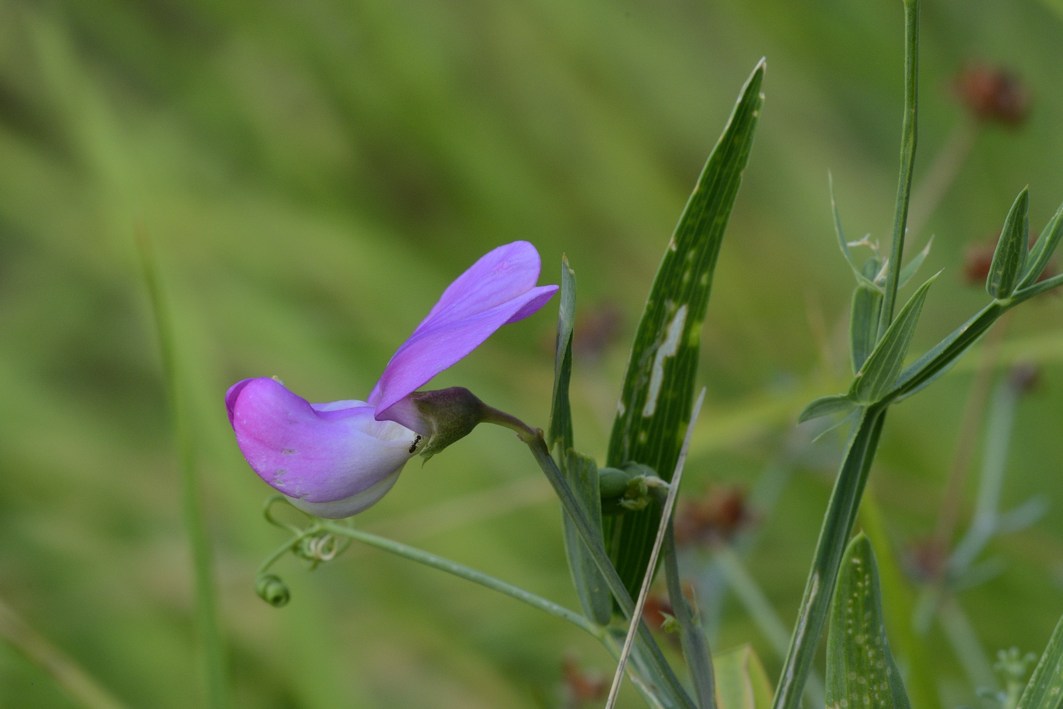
point(993, 94)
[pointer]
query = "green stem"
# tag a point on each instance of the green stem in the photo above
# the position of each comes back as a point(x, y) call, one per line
point(908, 142)
point(837, 525)
point(664, 677)
point(749, 593)
point(73, 679)
point(697, 656)
point(213, 657)
point(691, 636)
point(464, 572)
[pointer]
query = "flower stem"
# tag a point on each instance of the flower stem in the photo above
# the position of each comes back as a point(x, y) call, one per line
point(456, 569)
point(78, 684)
point(837, 525)
point(664, 677)
point(908, 142)
point(210, 637)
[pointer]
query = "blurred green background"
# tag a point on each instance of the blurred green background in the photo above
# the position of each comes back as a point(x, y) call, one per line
point(313, 174)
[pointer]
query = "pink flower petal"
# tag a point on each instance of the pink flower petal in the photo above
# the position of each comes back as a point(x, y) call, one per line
point(496, 290)
point(330, 459)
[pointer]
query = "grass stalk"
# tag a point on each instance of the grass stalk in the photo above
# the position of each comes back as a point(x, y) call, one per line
point(206, 613)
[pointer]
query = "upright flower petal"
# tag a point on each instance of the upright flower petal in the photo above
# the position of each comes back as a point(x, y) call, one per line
point(496, 290)
point(331, 460)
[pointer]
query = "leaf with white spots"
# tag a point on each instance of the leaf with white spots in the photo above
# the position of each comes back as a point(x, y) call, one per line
point(861, 672)
point(654, 406)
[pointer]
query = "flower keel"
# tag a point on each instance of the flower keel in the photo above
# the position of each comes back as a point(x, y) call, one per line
point(330, 460)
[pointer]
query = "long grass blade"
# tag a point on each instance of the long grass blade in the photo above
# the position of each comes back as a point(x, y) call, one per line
point(210, 637)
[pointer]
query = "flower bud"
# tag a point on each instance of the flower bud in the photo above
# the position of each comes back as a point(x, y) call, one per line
point(993, 95)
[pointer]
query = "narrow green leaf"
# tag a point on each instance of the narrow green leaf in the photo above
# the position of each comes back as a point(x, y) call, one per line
point(882, 367)
point(898, 607)
point(912, 267)
point(827, 406)
point(1038, 288)
point(658, 389)
point(865, 310)
point(1009, 259)
point(861, 671)
point(943, 355)
point(862, 277)
point(939, 358)
point(1043, 249)
point(1045, 689)
point(560, 434)
point(741, 682)
point(591, 587)
point(580, 472)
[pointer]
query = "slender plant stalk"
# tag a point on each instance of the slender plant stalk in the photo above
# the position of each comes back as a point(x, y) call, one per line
point(533, 438)
point(848, 489)
point(761, 612)
point(71, 678)
point(210, 638)
point(691, 634)
point(837, 524)
point(464, 572)
point(908, 143)
point(704, 687)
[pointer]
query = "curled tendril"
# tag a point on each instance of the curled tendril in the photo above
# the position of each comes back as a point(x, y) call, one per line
point(271, 589)
point(320, 547)
point(310, 543)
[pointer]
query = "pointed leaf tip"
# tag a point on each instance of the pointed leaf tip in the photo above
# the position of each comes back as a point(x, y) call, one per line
point(883, 365)
point(1009, 259)
point(1042, 250)
point(860, 667)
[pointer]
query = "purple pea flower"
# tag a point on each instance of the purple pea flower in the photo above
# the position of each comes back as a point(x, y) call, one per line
point(336, 459)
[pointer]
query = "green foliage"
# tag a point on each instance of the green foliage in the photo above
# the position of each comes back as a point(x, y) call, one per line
point(561, 432)
point(938, 359)
point(865, 311)
point(654, 406)
point(879, 372)
point(1042, 250)
point(312, 174)
point(580, 471)
point(691, 633)
point(593, 592)
point(861, 671)
point(741, 682)
point(1009, 258)
point(1045, 690)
